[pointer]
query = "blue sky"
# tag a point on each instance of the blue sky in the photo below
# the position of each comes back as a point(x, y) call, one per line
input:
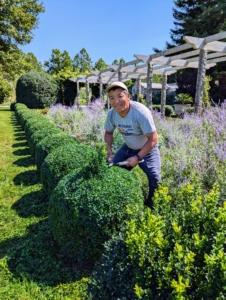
point(107, 29)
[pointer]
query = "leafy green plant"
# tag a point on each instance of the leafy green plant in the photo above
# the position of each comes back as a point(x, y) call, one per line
point(86, 209)
point(63, 159)
point(48, 144)
point(168, 109)
point(183, 98)
point(37, 90)
point(45, 131)
point(173, 253)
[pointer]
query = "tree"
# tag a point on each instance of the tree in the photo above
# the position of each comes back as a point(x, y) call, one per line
point(116, 62)
point(17, 20)
point(197, 18)
point(82, 62)
point(100, 65)
point(59, 62)
point(14, 63)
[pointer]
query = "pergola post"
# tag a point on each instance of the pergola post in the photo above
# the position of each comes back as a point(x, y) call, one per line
point(149, 86)
point(100, 87)
point(119, 75)
point(138, 89)
point(200, 79)
point(78, 94)
point(87, 92)
point(163, 95)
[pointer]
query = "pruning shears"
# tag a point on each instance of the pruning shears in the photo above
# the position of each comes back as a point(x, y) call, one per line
point(121, 163)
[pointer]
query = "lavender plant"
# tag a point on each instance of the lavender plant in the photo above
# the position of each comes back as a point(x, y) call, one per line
point(86, 124)
point(194, 148)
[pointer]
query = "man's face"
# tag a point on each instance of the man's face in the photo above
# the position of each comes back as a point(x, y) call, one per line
point(119, 101)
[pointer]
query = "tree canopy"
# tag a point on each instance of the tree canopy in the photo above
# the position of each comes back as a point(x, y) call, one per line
point(59, 62)
point(82, 62)
point(197, 18)
point(100, 65)
point(17, 20)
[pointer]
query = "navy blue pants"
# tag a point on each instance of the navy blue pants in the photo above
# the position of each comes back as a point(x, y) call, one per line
point(151, 167)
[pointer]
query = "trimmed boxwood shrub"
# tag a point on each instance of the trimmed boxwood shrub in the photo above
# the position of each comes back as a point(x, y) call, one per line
point(34, 124)
point(175, 252)
point(45, 131)
point(25, 116)
point(47, 145)
point(87, 210)
point(66, 158)
point(37, 90)
point(168, 109)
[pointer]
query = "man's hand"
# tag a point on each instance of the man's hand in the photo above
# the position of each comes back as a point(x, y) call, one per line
point(109, 155)
point(132, 161)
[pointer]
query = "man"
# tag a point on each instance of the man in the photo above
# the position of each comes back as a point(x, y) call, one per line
point(134, 121)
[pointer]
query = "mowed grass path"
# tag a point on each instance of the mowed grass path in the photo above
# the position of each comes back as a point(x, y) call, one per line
point(31, 264)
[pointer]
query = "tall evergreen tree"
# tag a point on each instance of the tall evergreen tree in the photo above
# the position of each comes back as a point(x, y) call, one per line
point(59, 62)
point(100, 65)
point(197, 18)
point(82, 62)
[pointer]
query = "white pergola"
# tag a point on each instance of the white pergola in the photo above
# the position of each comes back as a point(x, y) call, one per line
point(200, 53)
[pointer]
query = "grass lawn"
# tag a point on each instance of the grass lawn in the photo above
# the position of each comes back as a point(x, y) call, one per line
point(31, 264)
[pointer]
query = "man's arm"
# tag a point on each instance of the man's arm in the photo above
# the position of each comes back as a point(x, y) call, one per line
point(148, 146)
point(108, 137)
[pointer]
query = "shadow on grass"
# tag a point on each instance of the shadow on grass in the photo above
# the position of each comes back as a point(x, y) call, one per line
point(22, 144)
point(20, 138)
point(24, 161)
point(32, 204)
point(37, 257)
point(27, 178)
point(22, 152)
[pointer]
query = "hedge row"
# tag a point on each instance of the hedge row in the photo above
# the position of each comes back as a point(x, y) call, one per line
point(88, 201)
point(168, 109)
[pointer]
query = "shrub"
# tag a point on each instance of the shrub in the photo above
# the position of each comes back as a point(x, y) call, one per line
point(6, 90)
point(35, 123)
point(37, 90)
point(168, 109)
point(183, 98)
point(47, 145)
point(177, 252)
point(66, 158)
point(26, 115)
point(46, 131)
point(87, 210)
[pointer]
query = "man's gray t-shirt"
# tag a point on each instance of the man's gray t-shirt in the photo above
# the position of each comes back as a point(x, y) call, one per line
point(133, 126)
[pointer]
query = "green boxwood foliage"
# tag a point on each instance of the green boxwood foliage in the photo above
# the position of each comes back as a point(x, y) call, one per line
point(86, 210)
point(47, 145)
point(45, 131)
point(66, 158)
point(37, 90)
point(176, 252)
point(168, 109)
point(25, 116)
point(34, 124)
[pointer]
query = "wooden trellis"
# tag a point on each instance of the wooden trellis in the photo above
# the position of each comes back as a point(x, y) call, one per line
point(208, 52)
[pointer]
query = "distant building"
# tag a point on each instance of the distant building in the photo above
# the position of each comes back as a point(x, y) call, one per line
point(156, 87)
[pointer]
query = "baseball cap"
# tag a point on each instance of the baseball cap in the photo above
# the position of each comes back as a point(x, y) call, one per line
point(117, 84)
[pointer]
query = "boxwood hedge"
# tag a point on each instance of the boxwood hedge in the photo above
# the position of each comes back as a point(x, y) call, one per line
point(66, 158)
point(175, 252)
point(47, 145)
point(87, 210)
point(46, 131)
